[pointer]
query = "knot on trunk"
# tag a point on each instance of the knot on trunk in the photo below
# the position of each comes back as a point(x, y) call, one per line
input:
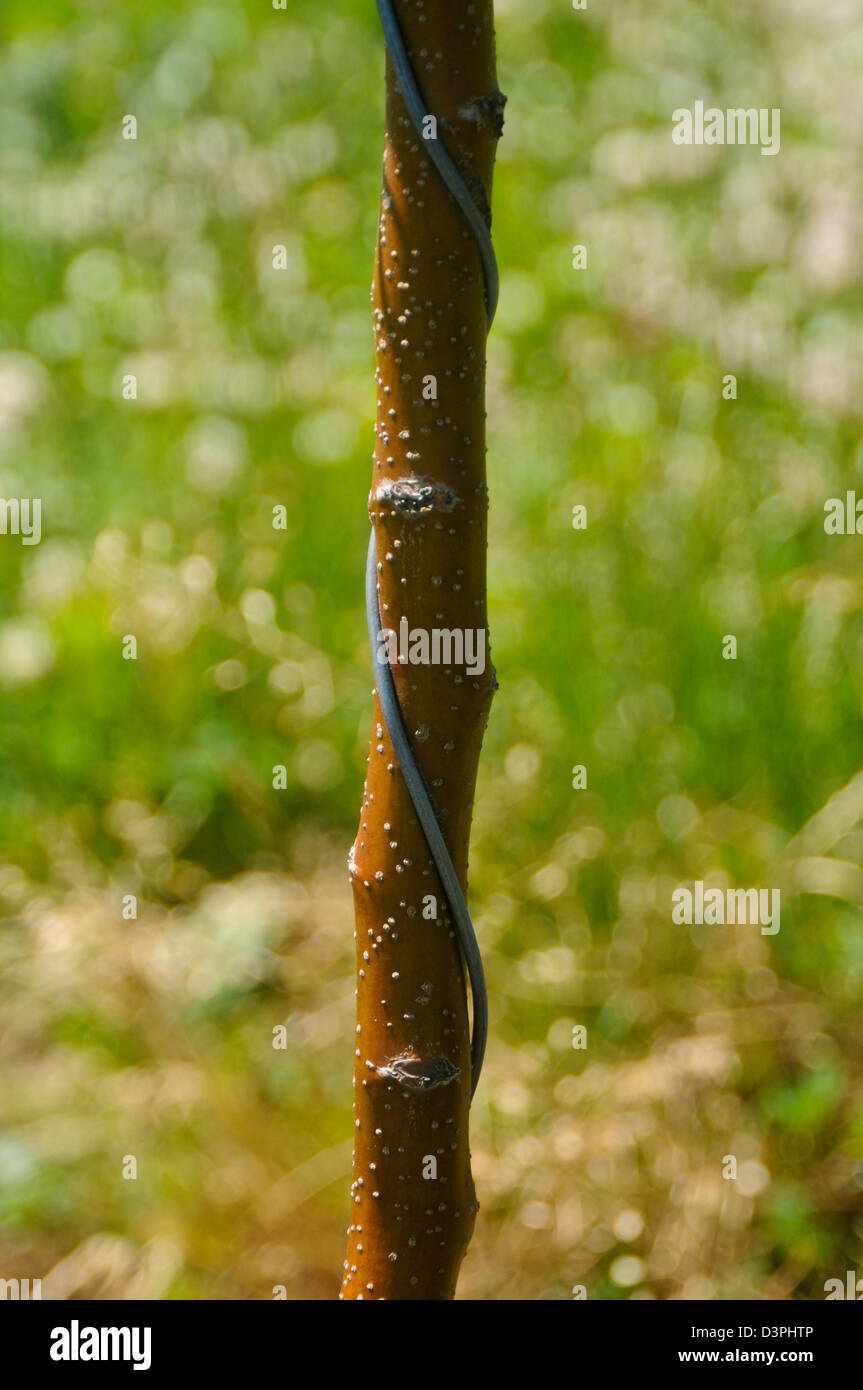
point(414, 496)
point(486, 112)
point(419, 1073)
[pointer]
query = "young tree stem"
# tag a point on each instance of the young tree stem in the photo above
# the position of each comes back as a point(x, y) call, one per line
point(413, 1203)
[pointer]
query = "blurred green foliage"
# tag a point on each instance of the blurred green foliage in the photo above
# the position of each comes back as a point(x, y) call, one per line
point(153, 258)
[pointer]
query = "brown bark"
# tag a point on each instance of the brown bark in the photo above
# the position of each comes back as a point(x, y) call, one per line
point(428, 504)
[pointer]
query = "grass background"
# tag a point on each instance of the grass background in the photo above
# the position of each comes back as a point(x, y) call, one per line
point(152, 1038)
